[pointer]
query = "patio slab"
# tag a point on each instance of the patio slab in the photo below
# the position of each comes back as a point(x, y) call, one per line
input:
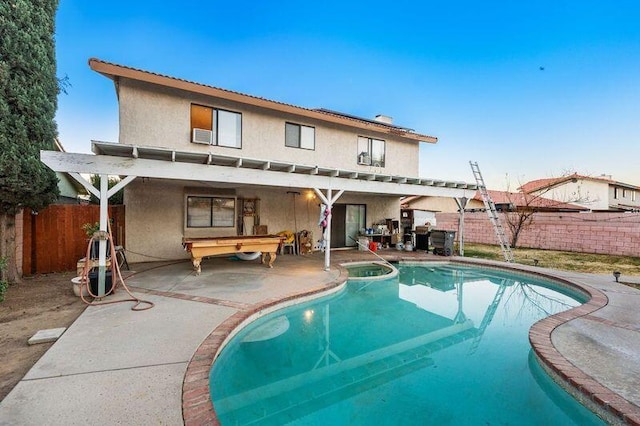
point(117, 366)
point(609, 356)
point(131, 396)
point(114, 337)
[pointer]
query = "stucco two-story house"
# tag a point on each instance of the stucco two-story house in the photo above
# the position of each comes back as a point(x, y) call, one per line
point(205, 162)
point(600, 193)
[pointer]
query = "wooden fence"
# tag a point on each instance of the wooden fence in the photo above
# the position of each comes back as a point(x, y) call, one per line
point(53, 239)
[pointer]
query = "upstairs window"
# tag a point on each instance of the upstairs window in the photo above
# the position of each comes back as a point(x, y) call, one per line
point(299, 136)
point(210, 212)
point(371, 152)
point(211, 126)
point(615, 192)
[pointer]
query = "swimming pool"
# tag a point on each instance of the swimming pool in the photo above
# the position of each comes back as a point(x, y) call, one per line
point(437, 344)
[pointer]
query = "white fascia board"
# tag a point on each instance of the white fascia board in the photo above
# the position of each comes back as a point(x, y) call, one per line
point(112, 165)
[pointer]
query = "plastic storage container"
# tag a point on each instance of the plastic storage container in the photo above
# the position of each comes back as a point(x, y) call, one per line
point(363, 243)
point(93, 281)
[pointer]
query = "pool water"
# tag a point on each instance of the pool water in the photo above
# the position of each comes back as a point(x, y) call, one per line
point(441, 345)
point(369, 269)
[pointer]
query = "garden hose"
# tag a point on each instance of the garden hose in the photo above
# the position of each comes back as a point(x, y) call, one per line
point(140, 305)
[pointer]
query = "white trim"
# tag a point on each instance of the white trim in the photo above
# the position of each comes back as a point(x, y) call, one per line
point(117, 187)
point(188, 165)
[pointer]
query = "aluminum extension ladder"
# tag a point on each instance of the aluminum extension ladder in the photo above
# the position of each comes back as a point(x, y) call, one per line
point(493, 214)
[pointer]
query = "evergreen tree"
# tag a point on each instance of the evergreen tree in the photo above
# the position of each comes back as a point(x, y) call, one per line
point(28, 102)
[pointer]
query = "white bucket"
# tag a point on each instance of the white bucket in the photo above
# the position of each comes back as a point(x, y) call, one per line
point(77, 284)
point(408, 247)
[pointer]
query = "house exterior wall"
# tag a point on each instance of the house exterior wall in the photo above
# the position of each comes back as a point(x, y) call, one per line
point(442, 204)
point(67, 189)
point(155, 223)
point(157, 116)
point(625, 196)
point(604, 233)
point(582, 192)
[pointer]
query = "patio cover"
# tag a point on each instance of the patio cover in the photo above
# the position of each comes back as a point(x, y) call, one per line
point(131, 161)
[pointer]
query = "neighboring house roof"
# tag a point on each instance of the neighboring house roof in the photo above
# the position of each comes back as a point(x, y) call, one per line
point(78, 189)
point(522, 200)
point(540, 184)
point(517, 199)
point(405, 201)
point(115, 71)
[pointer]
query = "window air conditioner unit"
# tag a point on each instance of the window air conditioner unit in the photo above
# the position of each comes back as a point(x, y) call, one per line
point(202, 136)
point(364, 159)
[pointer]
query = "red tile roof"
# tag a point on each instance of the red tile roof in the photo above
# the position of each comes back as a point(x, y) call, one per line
point(519, 199)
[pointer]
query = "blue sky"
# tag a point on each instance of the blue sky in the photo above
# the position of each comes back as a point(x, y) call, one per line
point(467, 72)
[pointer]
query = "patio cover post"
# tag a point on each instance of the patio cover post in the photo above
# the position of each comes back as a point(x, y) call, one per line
point(327, 237)
point(328, 200)
point(104, 217)
point(462, 204)
point(103, 195)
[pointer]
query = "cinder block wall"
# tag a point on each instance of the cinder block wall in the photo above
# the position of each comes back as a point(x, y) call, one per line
point(606, 233)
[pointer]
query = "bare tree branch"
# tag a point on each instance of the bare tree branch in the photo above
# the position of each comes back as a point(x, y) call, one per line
point(524, 205)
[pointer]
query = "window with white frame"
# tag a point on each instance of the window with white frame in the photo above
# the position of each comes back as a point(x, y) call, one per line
point(299, 136)
point(210, 212)
point(615, 192)
point(633, 195)
point(371, 152)
point(212, 126)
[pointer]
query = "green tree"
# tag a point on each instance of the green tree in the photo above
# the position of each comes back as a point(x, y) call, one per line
point(115, 199)
point(28, 102)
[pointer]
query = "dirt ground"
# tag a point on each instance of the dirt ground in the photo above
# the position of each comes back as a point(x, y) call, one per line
point(42, 302)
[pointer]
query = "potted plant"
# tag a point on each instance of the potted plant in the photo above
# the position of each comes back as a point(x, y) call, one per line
point(90, 229)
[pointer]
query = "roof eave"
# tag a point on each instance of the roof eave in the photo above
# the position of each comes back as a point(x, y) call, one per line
point(113, 71)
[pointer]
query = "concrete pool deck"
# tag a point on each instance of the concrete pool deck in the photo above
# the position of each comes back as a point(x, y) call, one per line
point(117, 366)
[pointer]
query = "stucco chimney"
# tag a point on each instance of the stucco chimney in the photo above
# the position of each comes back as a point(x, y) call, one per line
point(384, 119)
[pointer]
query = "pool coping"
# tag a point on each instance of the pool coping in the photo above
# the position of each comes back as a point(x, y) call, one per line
point(197, 406)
